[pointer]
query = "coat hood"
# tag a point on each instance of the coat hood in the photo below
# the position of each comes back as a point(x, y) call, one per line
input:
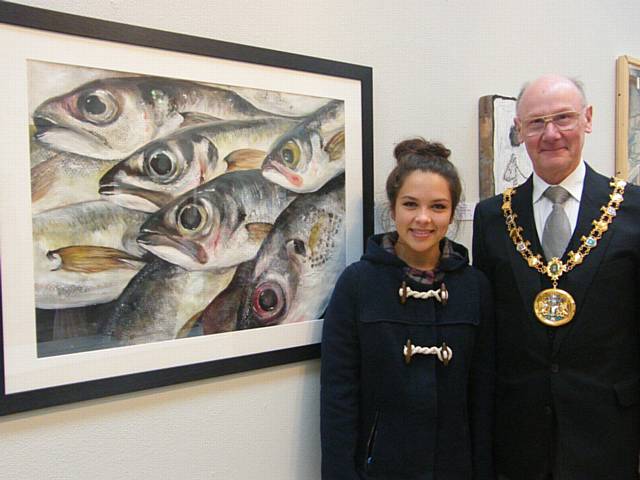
point(375, 253)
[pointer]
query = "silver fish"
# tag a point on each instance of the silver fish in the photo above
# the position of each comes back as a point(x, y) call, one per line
point(112, 117)
point(311, 153)
point(168, 167)
point(282, 103)
point(160, 300)
point(85, 253)
point(219, 224)
point(66, 179)
point(294, 272)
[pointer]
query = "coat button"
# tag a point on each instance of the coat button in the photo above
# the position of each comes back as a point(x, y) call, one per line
point(555, 368)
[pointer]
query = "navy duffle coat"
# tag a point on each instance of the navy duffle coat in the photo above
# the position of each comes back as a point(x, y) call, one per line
point(383, 418)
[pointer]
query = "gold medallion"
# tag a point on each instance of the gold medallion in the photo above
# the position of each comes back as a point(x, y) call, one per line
point(554, 307)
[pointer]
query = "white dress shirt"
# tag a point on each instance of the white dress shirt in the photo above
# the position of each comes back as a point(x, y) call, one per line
point(542, 205)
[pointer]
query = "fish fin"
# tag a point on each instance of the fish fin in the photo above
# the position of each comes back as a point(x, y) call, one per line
point(92, 259)
point(245, 159)
point(186, 328)
point(42, 178)
point(196, 118)
point(335, 146)
point(258, 231)
point(315, 234)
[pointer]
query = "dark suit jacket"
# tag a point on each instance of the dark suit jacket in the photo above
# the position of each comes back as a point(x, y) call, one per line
point(567, 398)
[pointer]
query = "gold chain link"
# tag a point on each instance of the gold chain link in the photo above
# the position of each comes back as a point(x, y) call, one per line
point(555, 267)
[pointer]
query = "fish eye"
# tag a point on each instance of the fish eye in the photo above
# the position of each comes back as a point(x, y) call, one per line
point(98, 107)
point(290, 153)
point(298, 247)
point(160, 165)
point(94, 105)
point(268, 302)
point(191, 217)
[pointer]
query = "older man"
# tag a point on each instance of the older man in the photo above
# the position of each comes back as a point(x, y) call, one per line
point(562, 251)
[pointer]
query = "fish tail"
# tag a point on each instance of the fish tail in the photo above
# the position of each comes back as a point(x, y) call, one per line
point(335, 146)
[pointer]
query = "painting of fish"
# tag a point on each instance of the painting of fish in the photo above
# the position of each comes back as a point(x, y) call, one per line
point(219, 224)
point(66, 179)
point(160, 301)
point(157, 201)
point(168, 167)
point(111, 118)
point(294, 272)
point(311, 153)
point(84, 254)
point(135, 196)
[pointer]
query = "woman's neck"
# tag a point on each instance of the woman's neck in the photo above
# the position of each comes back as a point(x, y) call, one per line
point(420, 260)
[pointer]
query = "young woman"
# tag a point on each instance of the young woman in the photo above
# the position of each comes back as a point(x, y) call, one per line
point(407, 350)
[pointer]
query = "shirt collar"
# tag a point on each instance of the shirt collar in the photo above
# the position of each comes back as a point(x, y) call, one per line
point(573, 183)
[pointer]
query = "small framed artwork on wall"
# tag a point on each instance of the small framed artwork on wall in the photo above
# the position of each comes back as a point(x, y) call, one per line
point(628, 119)
point(503, 159)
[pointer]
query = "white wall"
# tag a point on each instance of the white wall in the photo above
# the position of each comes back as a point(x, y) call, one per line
point(432, 60)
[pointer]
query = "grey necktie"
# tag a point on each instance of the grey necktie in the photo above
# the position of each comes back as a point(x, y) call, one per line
point(557, 230)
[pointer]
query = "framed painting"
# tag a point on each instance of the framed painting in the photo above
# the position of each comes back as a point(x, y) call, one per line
point(171, 207)
point(628, 119)
point(503, 159)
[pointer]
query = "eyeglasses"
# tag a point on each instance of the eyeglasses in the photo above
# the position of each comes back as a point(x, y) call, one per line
point(563, 121)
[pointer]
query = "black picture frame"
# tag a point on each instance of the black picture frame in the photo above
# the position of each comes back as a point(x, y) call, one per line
point(14, 15)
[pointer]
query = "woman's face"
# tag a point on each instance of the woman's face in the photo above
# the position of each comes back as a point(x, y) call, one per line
point(422, 213)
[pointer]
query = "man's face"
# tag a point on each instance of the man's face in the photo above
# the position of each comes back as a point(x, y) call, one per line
point(554, 152)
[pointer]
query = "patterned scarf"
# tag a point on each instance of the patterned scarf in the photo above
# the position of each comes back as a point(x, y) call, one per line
point(424, 277)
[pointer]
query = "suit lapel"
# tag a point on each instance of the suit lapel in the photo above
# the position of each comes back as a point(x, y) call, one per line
point(595, 194)
point(529, 281)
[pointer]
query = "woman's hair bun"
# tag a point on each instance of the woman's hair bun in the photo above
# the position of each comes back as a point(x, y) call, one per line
point(419, 146)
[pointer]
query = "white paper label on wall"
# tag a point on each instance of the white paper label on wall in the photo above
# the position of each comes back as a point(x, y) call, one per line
point(464, 211)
